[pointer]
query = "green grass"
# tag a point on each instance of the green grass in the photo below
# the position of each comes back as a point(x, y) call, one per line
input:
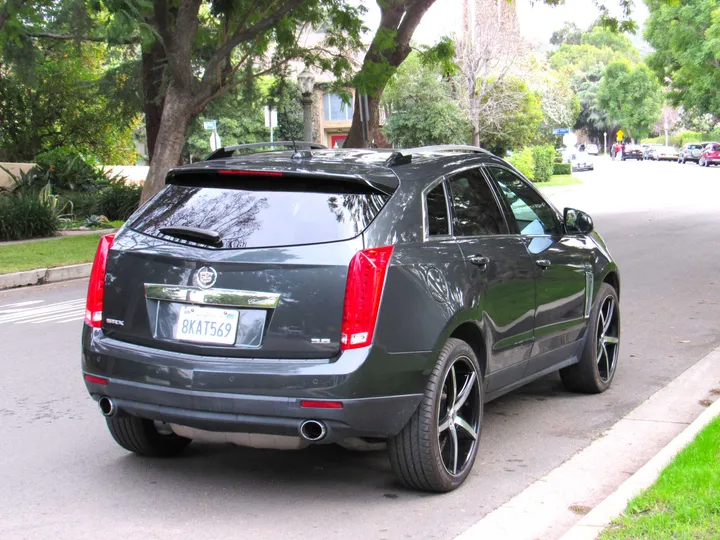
point(48, 253)
point(685, 500)
point(559, 180)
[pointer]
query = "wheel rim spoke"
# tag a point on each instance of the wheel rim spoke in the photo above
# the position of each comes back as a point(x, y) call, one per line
point(452, 398)
point(454, 448)
point(607, 320)
point(607, 363)
point(444, 424)
point(465, 391)
point(610, 340)
point(462, 423)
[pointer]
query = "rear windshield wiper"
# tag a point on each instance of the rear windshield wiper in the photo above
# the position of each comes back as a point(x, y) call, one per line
point(203, 236)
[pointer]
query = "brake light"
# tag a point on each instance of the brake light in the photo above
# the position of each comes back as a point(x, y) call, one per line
point(251, 173)
point(96, 380)
point(366, 278)
point(96, 288)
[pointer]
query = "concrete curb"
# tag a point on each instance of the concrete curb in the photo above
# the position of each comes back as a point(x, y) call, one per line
point(40, 276)
point(590, 526)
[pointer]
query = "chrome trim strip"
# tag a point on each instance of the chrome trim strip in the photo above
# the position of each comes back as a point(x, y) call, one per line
point(589, 284)
point(211, 297)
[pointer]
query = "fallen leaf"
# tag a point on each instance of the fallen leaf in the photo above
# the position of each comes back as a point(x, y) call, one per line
point(684, 341)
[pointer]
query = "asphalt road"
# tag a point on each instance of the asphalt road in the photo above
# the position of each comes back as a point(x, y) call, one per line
point(62, 476)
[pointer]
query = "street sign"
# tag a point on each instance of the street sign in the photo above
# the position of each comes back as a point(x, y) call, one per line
point(561, 131)
point(270, 117)
point(620, 134)
point(215, 142)
point(210, 125)
point(569, 140)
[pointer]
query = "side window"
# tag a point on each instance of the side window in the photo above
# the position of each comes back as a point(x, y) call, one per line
point(437, 211)
point(475, 210)
point(533, 215)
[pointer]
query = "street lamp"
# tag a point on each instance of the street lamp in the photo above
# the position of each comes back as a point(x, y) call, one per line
point(605, 143)
point(306, 82)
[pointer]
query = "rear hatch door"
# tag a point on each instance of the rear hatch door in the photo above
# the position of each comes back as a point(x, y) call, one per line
point(245, 265)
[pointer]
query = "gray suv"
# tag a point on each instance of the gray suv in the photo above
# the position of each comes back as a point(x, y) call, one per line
point(362, 297)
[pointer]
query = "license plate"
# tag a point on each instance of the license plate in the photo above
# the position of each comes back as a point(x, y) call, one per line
point(207, 325)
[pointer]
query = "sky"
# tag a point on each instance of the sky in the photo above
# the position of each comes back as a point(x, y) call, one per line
point(537, 20)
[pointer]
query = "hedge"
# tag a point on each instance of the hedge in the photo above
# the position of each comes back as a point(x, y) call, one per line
point(523, 162)
point(26, 216)
point(562, 168)
point(544, 159)
point(119, 200)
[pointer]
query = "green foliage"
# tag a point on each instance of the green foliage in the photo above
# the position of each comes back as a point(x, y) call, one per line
point(81, 204)
point(562, 168)
point(50, 97)
point(421, 108)
point(512, 118)
point(691, 136)
point(26, 216)
point(68, 170)
point(570, 34)
point(686, 37)
point(543, 160)
point(631, 97)
point(523, 161)
point(119, 200)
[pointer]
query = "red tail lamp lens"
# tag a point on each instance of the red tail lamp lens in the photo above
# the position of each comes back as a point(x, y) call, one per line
point(96, 380)
point(308, 404)
point(365, 282)
point(96, 288)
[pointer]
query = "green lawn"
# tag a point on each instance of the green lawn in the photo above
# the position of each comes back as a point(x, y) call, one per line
point(685, 500)
point(559, 180)
point(48, 253)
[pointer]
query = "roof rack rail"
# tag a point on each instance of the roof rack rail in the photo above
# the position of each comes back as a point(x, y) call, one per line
point(446, 148)
point(397, 158)
point(228, 151)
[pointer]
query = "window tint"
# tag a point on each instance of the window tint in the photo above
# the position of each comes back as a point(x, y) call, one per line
point(259, 216)
point(533, 215)
point(437, 212)
point(475, 210)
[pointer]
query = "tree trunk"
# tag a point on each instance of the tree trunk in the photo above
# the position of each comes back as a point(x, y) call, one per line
point(8, 10)
point(475, 136)
point(178, 112)
point(153, 73)
point(375, 137)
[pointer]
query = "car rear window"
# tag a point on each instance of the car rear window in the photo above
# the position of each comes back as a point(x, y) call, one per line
point(264, 213)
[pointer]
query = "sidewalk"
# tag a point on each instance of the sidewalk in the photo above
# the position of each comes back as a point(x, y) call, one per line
point(61, 234)
point(553, 505)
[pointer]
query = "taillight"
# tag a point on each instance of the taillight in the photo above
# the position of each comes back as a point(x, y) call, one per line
point(96, 288)
point(366, 277)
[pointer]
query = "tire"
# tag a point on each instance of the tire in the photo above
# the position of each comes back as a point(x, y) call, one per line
point(594, 372)
point(421, 455)
point(141, 437)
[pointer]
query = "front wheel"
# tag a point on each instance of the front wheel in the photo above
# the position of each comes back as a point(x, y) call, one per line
point(436, 450)
point(598, 360)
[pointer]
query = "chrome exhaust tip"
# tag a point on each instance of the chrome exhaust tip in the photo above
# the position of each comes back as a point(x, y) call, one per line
point(107, 406)
point(312, 430)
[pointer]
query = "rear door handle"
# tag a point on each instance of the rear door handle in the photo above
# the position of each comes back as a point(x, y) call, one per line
point(479, 260)
point(543, 263)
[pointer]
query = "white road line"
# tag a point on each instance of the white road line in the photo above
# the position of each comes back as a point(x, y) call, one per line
point(19, 304)
point(80, 318)
point(39, 314)
point(67, 310)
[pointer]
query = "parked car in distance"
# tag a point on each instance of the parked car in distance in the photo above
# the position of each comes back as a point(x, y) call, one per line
point(579, 161)
point(664, 153)
point(710, 155)
point(632, 151)
point(691, 152)
point(592, 149)
point(648, 149)
point(360, 297)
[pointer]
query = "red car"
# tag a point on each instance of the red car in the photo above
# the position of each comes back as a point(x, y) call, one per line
point(710, 155)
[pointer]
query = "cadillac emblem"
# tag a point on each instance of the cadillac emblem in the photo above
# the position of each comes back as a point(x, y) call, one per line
point(206, 277)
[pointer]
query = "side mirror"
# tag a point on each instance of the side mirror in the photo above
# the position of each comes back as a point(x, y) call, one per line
point(577, 222)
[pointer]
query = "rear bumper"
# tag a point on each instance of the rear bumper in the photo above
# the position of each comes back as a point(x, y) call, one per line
point(379, 391)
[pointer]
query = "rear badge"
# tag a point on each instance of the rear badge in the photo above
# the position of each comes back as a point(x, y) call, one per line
point(206, 277)
point(317, 341)
point(116, 322)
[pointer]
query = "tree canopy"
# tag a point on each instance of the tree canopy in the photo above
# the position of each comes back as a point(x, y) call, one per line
point(631, 96)
point(686, 38)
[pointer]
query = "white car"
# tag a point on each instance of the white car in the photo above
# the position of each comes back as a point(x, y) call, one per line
point(580, 161)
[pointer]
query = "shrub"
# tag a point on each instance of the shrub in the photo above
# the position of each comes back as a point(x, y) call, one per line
point(523, 162)
point(691, 136)
point(26, 216)
point(83, 203)
point(562, 168)
point(119, 200)
point(543, 158)
point(67, 170)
